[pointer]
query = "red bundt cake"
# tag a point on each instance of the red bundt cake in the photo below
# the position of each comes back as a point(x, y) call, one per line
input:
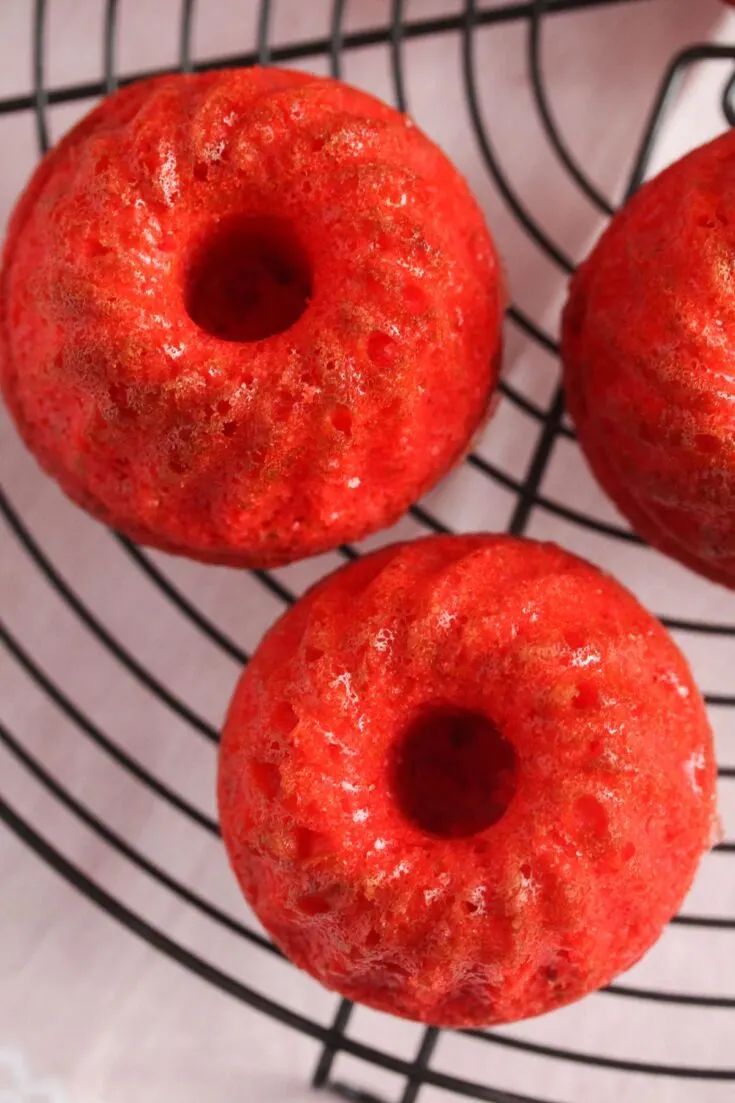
point(247, 315)
point(648, 347)
point(466, 780)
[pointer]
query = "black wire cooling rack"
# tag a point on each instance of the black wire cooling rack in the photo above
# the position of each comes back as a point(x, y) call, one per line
point(548, 426)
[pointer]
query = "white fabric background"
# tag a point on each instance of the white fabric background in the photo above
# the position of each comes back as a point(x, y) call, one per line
point(88, 1012)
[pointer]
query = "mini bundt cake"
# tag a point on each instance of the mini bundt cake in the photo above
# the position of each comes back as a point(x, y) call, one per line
point(247, 315)
point(648, 348)
point(466, 780)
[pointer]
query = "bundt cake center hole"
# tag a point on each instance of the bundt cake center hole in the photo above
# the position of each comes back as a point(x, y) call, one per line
point(248, 279)
point(453, 772)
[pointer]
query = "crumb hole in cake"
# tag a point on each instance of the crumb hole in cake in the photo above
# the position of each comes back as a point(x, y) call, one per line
point(453, 773)
point(414, 298)
point(707, 443)
point(248, 279)
point(284, 717)
point(627, 852)
point(313, 904)
point(586, 697)
point(311, 844)
point(394, 969)
point(381, 349)
point(119, 399)
point(342, 420)
point(267, 777)
point(283, 406)
point(575, 639)
point(590, 817)
point(95, 248)
point(312, 654)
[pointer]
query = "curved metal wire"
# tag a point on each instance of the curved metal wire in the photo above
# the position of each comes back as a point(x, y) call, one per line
point(108, 57)
point(683, 999)
point(211, 630)
point(679, 624)
point(596, 1060)
point(487, 149)
point(336, 42)
point(98, 737)
point(534, 331)
point(728, 96)
point(522, 403)
point(119, 844)
point(668, 89)
point(719, 700)
point(544, 109)
point(396, 59)
point(312, 47)
point(539, 460)
point(714, 922)
point(95, 626)
point(331, 1048)
point(264, 18)
point(185, 31)
point(40, 99)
